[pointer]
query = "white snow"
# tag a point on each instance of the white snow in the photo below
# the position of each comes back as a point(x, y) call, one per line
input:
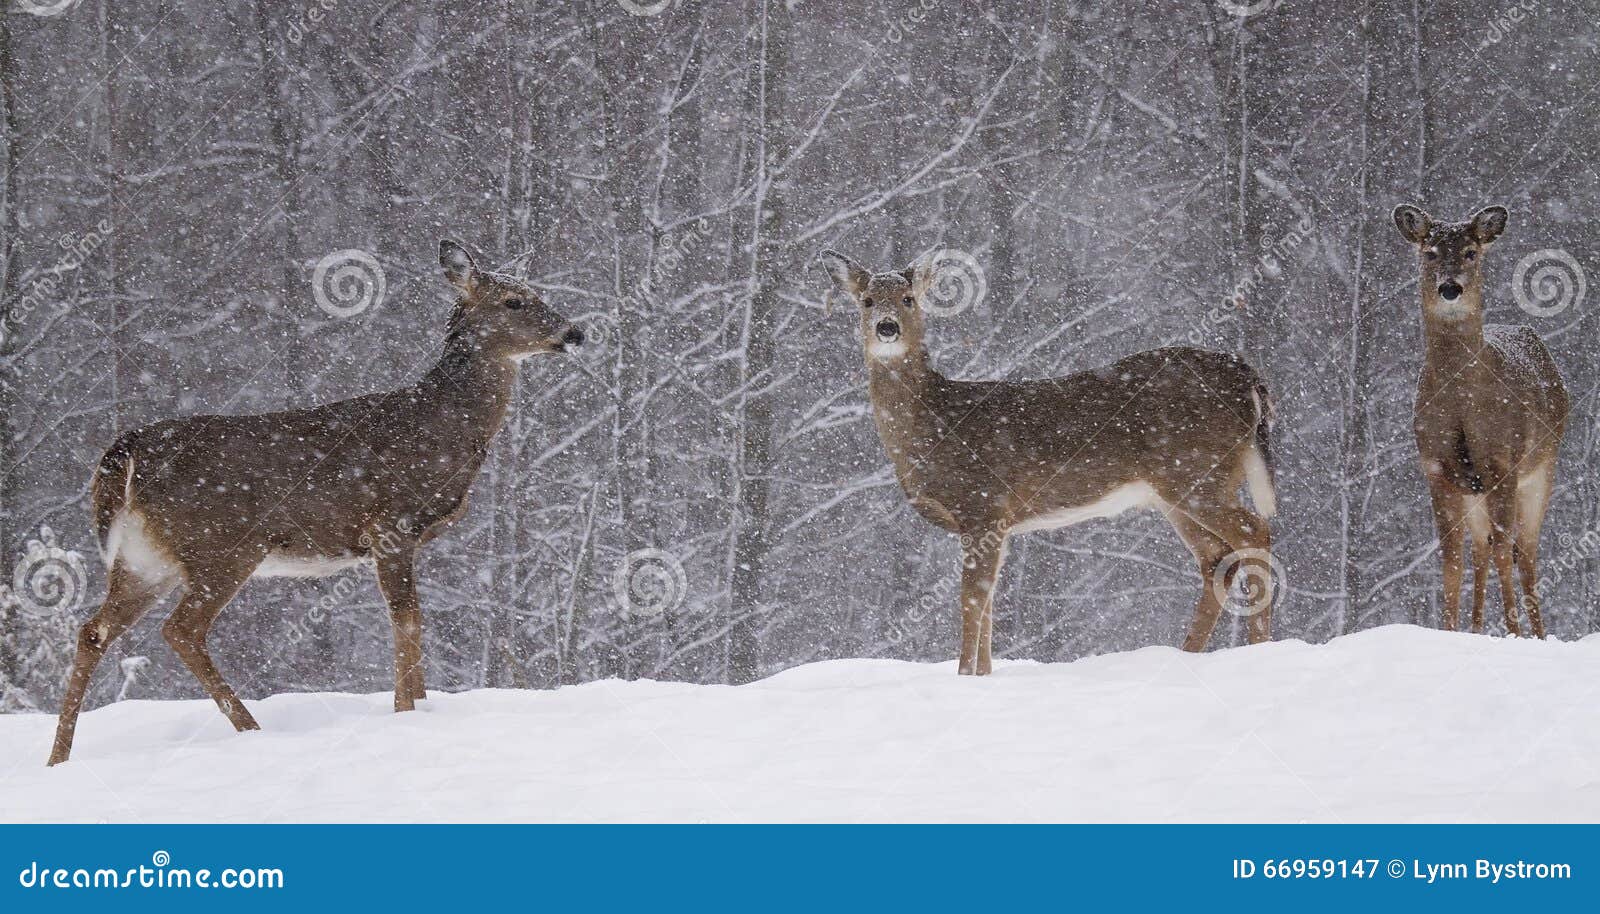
point(1391, 724)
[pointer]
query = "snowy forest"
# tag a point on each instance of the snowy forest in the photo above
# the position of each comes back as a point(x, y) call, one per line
point(235, 207)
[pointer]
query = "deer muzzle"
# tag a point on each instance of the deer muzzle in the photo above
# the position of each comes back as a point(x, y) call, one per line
point(572, 337)
point(1450, 290)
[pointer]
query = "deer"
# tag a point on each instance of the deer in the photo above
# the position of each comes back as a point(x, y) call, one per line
point(1489, 417)
point(208, 502)
point(1176, 429)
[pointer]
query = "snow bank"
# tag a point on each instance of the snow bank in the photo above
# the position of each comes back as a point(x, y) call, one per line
point(1393, 724)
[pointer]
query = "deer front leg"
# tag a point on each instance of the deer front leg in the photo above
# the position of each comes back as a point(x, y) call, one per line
point(397, 580)
point(980, 568)
point(1501, 500)
point(1447, 519)
point(1481, 567)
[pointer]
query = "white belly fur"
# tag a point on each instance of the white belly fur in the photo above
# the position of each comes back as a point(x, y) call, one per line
point(130, 543)
point(1122, 498)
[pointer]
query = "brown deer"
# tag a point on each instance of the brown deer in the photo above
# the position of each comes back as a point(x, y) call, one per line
point(211, 501)
point(1490, 414)
point(1176, 429)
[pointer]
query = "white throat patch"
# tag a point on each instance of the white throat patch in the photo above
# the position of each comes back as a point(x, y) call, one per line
point(878, 349)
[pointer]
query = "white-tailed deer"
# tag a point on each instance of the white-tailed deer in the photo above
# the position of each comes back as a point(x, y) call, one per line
point(1490, 414)
point(211, 501)
point(1177, 429)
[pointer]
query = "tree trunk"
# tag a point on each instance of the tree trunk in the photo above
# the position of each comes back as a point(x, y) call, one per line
point(754, 418)
point(10, 226)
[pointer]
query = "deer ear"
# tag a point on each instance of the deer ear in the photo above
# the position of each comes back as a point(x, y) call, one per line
point(920, 275)
point(847, 274)
point(1412, 222)
point(1488, 223)
point(459, 267)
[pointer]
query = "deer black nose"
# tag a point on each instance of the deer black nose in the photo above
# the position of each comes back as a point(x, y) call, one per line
point(1449, 291)
point(573, 336)
point(888, 329)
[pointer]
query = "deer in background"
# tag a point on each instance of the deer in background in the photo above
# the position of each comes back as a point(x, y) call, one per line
point(1175, 429)
point(1490, 414)
point(210, 501)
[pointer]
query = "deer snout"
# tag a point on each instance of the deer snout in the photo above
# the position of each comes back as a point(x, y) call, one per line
point(572, 336)
point(887, 329)
point(1450, 290)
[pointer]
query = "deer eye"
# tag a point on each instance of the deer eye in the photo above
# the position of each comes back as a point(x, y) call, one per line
point(908, 301)
point(515, 304)
point(866, 303)
point(1472, 255)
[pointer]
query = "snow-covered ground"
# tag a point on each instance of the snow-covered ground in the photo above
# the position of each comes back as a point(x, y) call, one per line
point(1393, 724)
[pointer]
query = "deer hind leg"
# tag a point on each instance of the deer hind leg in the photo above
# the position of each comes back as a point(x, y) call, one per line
point(981, 557)
point(1209, 552)
point(208, 591)
point(397, 580)
point(1248, 537)
point(1533, 498)
point(128, 598)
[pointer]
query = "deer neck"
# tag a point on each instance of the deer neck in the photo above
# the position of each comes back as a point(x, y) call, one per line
point(1452, 332)
point(903, 400)
point(468, 392)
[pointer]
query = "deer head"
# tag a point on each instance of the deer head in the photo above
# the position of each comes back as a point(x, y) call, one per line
point(499, 315)
point(891, 305)
point(1451, 257)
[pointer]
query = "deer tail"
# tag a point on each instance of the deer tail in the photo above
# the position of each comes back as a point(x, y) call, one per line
point(1258, 464)
point(110, 491)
